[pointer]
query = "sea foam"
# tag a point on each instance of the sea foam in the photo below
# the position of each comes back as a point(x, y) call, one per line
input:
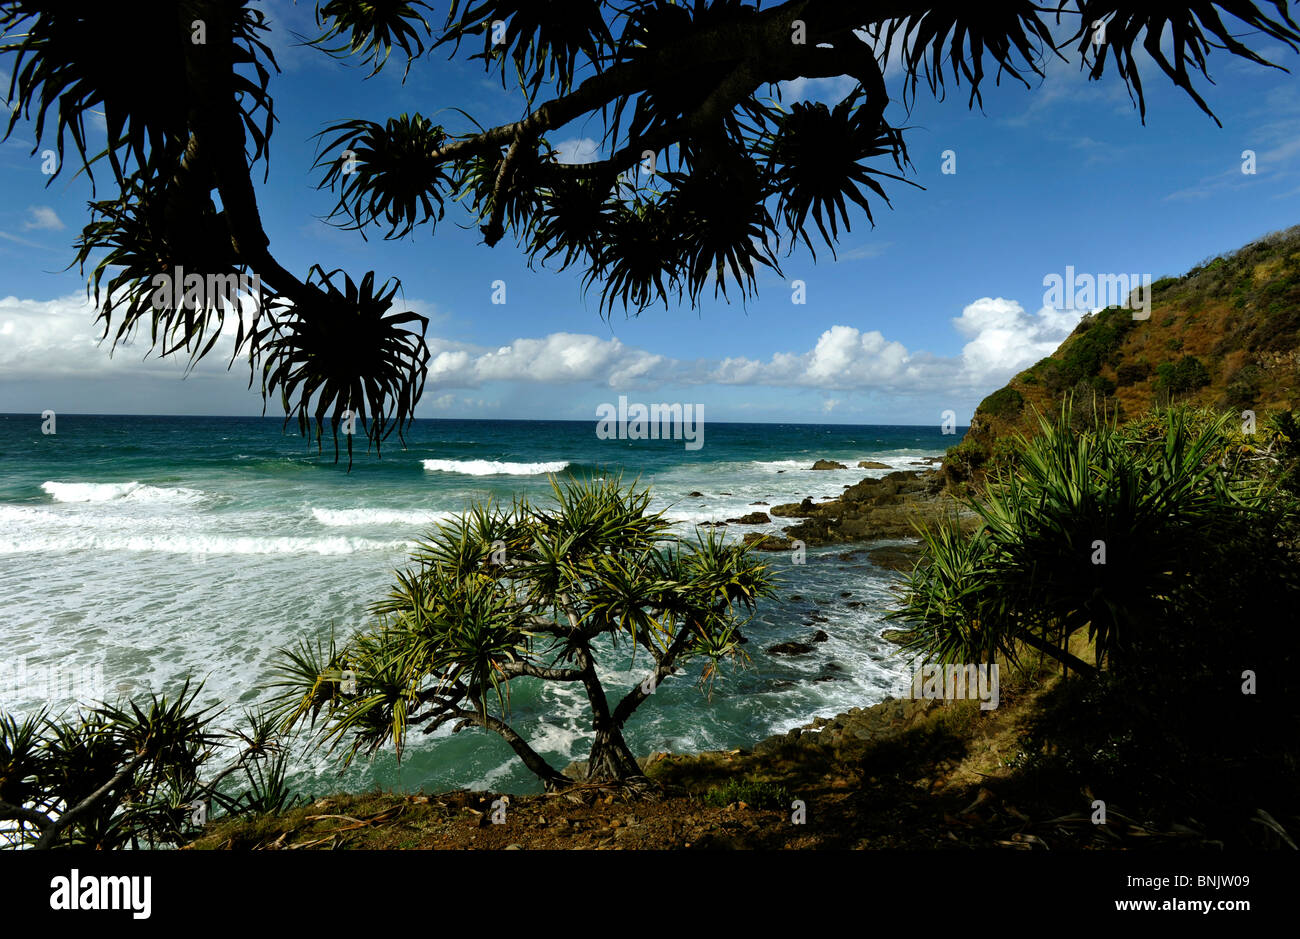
point(346, 518)
point(493, 467)
point(129, 492)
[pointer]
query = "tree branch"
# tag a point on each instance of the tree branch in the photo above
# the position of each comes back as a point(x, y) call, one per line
point(71, 815)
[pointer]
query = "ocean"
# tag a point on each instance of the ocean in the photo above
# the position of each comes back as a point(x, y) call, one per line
point(137, 551)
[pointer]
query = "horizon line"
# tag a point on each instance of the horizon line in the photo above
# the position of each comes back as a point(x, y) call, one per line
point(485, 420)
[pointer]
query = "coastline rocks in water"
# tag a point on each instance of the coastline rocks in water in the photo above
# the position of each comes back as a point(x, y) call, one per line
point(820, 636)
point(758, 503)
point(753, 518)
point(794, 509)
point(872, 464)
point(694, 495)
point(896, 636)
point(828, 465)
point(761, 542)
point(901, 557)
point(873, 509)
point(790, 648)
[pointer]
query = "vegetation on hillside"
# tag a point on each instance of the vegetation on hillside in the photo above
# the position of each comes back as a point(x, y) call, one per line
point(1225, 335)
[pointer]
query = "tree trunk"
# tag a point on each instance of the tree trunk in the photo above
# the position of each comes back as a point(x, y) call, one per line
point(611, 759)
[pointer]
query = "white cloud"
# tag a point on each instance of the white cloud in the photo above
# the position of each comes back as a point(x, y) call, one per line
point(42, 217)
point(50, 339)
point(1005, 339)
point(577, 150)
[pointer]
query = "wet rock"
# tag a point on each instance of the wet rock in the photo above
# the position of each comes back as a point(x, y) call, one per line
point(828, 465)
point(872, 464)
point(820, 636)
point(896, 557)
point(790, 648)
point(753, 518)
point(761, 542)
point(695, 495)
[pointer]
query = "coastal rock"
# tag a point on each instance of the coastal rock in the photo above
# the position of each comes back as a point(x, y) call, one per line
point(872, 464)
point(820, 636)
point(753, 518)
point(896, 557)
point(694, 495)
point(874, 509)
point(761, 542)
point(896, 636)
point(790, 648)
point(828, 465)
point(794, 509)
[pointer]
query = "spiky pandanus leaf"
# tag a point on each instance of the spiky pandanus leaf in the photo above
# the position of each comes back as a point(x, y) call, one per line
point(157, 242)
point(672, 95)
point(723, 225)
point(375, 27)
point(69, 60)
point(547, 40)
point(384, 172)
point(640, 257)
point(571, 220)
point(348, 353)
point(1192, 30)
point(818, 158)
point(482, 186)
point(1011, 33)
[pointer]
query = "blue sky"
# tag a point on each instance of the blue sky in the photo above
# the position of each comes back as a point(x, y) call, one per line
point(931, 310)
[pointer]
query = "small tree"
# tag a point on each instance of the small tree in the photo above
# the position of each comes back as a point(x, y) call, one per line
point(520, 592)
point(1124, 532)
point(114, 776)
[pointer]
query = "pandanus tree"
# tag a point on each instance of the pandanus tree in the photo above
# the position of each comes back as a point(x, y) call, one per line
point(135, 774)
point(703, 172)
point(518, 592)
point(1128, 534)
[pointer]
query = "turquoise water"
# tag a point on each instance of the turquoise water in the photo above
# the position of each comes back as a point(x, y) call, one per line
point(135, 551)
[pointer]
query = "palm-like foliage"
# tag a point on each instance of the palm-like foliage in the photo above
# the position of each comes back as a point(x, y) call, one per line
point(69, 59)
point(375, 26)
point(1091, 530)
point(347, 354)
point(1193, 28)
point(518, 591)
point(544, 38)
point(147, 235)
point(391, 178)
point(130, 774)
point(1011, 33)
point(818, 159)
point(687, 82)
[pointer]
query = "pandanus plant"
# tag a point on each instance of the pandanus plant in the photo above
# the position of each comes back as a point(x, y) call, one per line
point(1091, 531)
point(518, 592)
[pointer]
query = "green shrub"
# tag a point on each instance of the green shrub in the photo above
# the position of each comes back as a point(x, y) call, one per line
point(962, 460)
point(758, 795)
point(1005, 403)
point(1244, 386)
point(1130, 373)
